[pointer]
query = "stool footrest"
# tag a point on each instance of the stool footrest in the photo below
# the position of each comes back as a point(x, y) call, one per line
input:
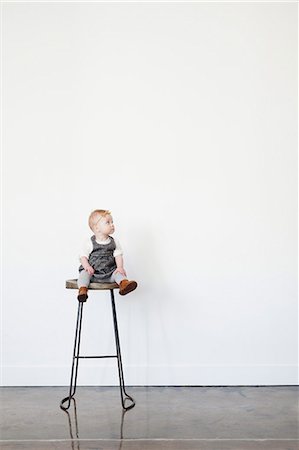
point(105, 356)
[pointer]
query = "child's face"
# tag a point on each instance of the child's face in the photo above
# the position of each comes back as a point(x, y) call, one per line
point(105, 225)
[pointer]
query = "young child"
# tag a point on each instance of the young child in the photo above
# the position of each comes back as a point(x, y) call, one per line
point(101, 257)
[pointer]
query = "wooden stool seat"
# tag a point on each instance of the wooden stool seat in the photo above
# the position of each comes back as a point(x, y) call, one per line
point(72, 284)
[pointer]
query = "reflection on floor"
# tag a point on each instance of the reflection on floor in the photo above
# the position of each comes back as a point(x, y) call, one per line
point(180, 418)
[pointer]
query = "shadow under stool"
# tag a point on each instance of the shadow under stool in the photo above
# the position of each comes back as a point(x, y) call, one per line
point(72, 284)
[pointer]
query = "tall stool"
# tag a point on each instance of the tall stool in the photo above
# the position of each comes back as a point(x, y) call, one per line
point(72, 284)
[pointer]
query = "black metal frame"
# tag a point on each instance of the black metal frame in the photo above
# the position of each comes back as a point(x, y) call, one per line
point(76, 357)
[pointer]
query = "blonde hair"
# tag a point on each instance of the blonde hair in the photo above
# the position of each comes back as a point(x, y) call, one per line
point(94, 216)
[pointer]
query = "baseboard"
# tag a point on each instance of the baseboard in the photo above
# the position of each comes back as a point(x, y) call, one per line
point(90, 374)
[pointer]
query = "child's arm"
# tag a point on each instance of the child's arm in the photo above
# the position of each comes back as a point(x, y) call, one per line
point(86, 265)
point(83, 256)
point(120, 265)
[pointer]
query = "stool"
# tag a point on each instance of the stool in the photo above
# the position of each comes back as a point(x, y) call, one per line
point(72, 284)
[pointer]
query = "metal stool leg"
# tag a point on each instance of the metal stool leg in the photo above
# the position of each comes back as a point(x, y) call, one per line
point(119, 361)
point(73, 382)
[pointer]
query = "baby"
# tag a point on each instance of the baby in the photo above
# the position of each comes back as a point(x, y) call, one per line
point(101, 257)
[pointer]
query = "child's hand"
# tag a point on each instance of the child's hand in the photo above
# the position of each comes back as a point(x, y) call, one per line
point(90, 270)
point(121, 270)
point(86, 266)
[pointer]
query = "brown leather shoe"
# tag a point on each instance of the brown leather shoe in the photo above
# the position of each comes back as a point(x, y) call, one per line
point(82, 296)
point(127, 286)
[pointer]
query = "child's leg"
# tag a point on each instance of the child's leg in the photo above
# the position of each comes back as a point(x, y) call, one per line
point(83, 283)
point(125, 286)
point(117, 278)
point(84, 279)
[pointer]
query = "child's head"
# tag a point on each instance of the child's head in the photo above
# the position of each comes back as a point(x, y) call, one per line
point(100, 221)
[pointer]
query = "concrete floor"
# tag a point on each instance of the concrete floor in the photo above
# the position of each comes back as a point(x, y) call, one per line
point(164, 418)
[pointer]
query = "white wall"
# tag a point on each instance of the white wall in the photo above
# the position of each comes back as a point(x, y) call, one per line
point(182, 119)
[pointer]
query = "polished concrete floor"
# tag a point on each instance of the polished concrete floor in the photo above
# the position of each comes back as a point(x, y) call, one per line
point(164, 418)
